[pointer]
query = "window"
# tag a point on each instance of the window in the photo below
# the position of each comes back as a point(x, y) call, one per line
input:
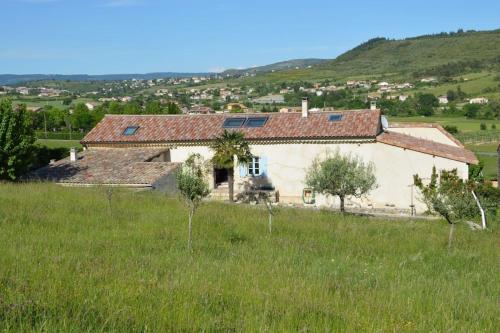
point(335, 117)
point(256, 121)
point(130, 130)
point(254, 167)
point(233, 122)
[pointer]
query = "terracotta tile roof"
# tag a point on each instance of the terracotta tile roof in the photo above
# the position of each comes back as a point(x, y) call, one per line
point(427, 125)
point(191, 128)
point(427, 147)
point(108, 166)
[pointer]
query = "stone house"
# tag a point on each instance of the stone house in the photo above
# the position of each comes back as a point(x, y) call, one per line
point(143, 150)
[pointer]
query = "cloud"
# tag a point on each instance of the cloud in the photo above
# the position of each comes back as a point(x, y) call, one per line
point(120, 3)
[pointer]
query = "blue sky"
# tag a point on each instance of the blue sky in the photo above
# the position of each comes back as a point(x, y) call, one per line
point(139, 36)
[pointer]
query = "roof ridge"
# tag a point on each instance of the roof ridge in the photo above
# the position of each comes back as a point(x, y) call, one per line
point(236, 114)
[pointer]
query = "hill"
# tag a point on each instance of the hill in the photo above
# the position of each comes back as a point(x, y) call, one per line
point(445, 54)
point(282, 65)
point(72, 261)
point(8, 79)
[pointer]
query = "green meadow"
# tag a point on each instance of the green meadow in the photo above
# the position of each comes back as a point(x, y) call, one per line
point(463, 124)
point(51, 143)
point(72, 261)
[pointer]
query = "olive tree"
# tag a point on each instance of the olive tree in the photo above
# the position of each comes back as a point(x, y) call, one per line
point(449, 196)
point(341, 175)
point(192, 186)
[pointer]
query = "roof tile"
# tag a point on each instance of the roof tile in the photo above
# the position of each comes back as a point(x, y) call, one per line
point(427, 147)
point(191, 128)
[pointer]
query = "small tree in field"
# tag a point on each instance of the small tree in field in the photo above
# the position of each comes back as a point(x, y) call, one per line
point(192, 186)
point(449, 196)
point(342, 176)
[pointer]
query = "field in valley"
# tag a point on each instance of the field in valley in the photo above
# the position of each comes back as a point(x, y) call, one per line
point(70, 261)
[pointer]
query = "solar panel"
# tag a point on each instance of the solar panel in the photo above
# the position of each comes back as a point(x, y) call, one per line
point(233, 122)
point(256, 121)
point(130, 130)
point(335, 117)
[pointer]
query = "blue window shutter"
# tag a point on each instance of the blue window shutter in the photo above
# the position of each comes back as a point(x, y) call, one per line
point(243, 170)
point(263, 165)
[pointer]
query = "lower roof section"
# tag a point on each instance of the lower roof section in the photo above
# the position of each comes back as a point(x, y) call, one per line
point(108, 166)
point(427, 147)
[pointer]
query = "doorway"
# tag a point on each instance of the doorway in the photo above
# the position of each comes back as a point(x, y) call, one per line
point(220, 176)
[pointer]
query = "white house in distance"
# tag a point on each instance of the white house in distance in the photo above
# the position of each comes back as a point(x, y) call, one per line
point(478, 100)
point(142, 150)
point(91, 105)
point(443, 99)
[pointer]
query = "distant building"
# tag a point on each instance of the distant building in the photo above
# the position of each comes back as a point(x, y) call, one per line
point(199, 109)
point(478, 100)
point(23, 90)
point(443, 99)
point(428, 80)
point(236, 106)
point(91, 105)
point(270, 99)
point(34, 108)
point(290, 109)
point(403, 98)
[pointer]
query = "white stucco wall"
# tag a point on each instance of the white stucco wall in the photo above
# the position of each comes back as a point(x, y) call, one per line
point(287, 165)
point(427, 133)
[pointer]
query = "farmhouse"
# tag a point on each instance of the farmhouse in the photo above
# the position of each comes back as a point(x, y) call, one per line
point(478, 100)
point(142, 151)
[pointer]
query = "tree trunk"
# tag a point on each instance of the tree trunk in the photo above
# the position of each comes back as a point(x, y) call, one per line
point(450, 236)
point(230, 183)
point(270, 223)
point(342, 199)
point(191, 213)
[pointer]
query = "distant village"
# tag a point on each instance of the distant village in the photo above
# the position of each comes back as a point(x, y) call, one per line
point(209, 94)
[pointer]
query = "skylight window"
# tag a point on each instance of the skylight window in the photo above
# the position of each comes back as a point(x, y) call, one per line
point(256, 121)
point(233, 122)
point(130, 130)
point(335, 117)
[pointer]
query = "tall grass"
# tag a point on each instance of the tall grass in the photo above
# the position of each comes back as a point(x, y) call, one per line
point(68, 263)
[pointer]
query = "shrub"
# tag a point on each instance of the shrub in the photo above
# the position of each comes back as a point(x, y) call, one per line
point(449, 196)
point(482, 126)
point(451, 129)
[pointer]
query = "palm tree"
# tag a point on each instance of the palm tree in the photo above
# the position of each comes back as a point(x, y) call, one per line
point(226, 146)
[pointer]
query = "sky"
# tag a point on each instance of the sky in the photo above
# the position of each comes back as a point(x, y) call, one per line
point(142, 36)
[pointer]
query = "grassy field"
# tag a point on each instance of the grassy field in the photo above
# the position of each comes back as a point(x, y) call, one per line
point(59, 143)
point(463, 124)
point(69, 262)
point(474, 85)
point(55, 102)
point(487, 153)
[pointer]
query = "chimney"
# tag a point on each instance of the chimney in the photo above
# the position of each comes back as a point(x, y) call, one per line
point(373, 105)
point(72, 155)
point(305, 107)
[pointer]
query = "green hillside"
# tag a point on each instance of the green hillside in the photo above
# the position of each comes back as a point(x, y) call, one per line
point(441, 55)
point(282, 65)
